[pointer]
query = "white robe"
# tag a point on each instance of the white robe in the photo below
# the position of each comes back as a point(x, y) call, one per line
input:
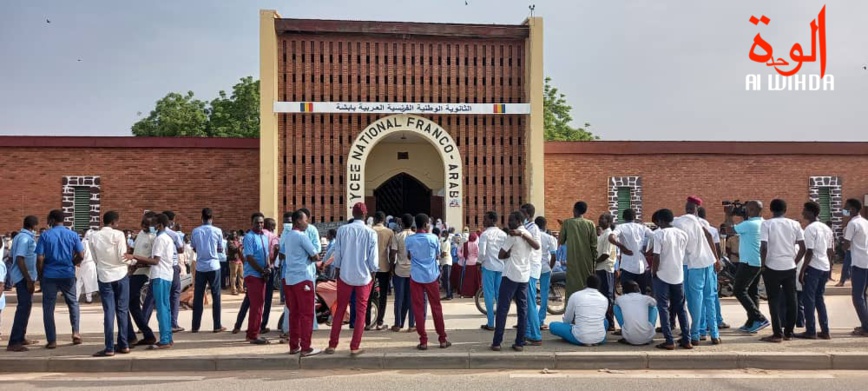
point(85, 273)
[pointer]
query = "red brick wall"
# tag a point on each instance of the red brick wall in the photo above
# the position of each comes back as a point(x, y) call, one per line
point(133, 178)
point(713, 171)
point(412, 63)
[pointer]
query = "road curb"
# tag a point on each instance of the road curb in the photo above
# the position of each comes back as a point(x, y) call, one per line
point(449, 360)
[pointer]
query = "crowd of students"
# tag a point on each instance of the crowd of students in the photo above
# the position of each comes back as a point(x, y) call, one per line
point(668, 274)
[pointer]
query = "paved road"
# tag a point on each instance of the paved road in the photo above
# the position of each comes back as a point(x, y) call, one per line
point(440, 380)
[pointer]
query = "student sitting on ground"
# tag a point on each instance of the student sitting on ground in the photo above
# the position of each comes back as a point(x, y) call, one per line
point(585, 317)
point(636, 314)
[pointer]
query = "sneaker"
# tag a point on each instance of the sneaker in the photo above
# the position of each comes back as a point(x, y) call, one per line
point(311, 352)
point(759, 325)
point(744, 329)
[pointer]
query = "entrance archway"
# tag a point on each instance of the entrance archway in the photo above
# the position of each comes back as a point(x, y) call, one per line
point(401, 194)
point(423, 129)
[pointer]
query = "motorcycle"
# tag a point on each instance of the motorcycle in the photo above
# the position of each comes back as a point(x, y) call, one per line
point(327, 301)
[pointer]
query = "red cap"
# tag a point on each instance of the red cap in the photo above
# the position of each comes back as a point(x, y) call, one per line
point(360, 208)
point(695, 200)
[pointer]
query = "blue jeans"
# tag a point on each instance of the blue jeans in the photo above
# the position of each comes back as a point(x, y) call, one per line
point(446, 279)
point(211, 278)
point(545, 283)
point(670, 297)
point(162, 289)
point(700, 301)
point(607, 288)
point(565, 331)
point(175, 295)
point(533, 332)
point(22, 314)
point(137, 309)
point(860, 283)
point(846, 270)
point(115, 298)
point(509, 291)
point(490, 290)
point(402, 301)
point(812, 295)
point(50, 287)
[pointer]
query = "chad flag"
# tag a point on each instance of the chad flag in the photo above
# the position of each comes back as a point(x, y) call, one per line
point(499, 108)
point(306, 107)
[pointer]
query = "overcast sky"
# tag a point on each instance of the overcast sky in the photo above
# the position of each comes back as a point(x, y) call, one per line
point(634, 69)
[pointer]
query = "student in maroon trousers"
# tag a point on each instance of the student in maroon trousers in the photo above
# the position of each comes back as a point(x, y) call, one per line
point(423, 249)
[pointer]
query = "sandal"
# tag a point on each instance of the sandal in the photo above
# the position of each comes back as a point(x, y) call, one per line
point(543, 327)
point(422, 347)
point(76, 340)
point(104, 353)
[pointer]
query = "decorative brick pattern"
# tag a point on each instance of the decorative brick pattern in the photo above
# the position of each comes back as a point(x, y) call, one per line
point(68, 193)
point(836, 201)
point(334, 67)
point(635, 185)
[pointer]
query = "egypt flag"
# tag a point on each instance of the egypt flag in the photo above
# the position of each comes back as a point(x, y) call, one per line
point(499, 108)
point(306, 107)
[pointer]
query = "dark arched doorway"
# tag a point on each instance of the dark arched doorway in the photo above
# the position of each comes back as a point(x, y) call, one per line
point(401, 194)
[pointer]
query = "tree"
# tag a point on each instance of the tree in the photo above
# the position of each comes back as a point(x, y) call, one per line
point(557, 118)
point(175, 115)
point(238, 115)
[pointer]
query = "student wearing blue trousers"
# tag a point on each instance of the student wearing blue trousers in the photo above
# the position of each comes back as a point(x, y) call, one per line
point(533, 335)
point(636, 314)
point(492, 267)
point(701, 265)
point(549, 246)
point(585, 321)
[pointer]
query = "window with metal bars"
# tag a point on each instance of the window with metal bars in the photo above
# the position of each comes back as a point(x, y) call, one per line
point(825, 201)
point(623, 202)
point(81, 218)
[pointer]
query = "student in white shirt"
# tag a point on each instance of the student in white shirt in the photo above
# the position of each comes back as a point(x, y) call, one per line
point(629, 237)
point(779, 237)
point(161, 259)
point(856, 241)
point(490, 243)
point(108, 247)
point(516, 253)
point(585, 316)
point(533, 336)
point(701, 261)
point(549, 245)
point(667, 268)
point(636, 314)
point(605, 269)
point(715, 238)
point(814, 273)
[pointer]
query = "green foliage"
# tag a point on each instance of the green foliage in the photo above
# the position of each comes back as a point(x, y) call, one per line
point(177, 115)
point(238, 115)
point(557, 118)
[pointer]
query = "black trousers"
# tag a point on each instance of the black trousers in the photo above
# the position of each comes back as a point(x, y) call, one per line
point(745, 289)
point(781, 288)
point(383, 280)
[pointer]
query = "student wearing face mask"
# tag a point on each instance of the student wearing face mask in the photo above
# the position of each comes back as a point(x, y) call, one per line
point(140, 310)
